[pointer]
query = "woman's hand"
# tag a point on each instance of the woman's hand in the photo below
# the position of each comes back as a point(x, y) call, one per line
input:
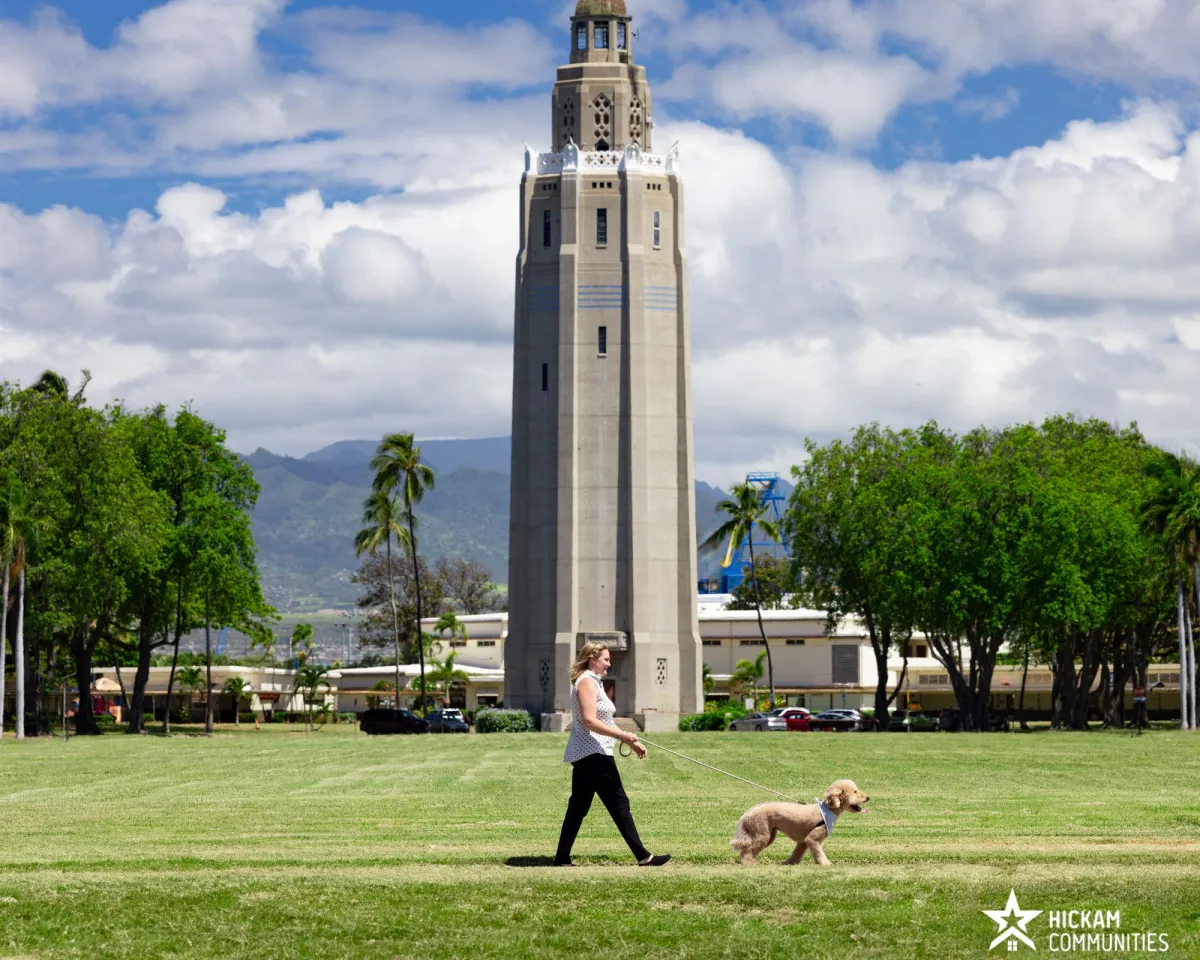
point(638, 748)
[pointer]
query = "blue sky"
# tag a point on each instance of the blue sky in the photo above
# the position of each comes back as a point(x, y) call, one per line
point(975, 212)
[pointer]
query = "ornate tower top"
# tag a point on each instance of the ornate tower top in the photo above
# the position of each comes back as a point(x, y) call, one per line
point(600, 32)
point(601, 100)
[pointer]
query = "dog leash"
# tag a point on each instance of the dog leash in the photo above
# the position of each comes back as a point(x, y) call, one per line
point(624, 747)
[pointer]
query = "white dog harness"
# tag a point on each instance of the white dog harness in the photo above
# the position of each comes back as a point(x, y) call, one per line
point(827, 815)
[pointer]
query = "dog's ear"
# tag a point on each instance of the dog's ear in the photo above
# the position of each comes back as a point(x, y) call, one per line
point(834, 798)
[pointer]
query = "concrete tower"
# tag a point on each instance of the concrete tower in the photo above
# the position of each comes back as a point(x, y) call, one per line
point(603, 536)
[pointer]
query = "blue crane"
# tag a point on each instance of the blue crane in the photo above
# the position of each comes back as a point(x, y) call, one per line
point(737, 562)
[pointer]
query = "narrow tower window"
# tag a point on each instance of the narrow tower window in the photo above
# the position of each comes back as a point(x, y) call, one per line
point(581, 37)
point(603, 339)
point(545, 378)
point(602, 227)
point(546, 227)
point(621, 42)
point(657, 229)
point(600, 34)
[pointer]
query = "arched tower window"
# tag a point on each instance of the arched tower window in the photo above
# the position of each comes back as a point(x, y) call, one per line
point(602, 114)
point(635, 120)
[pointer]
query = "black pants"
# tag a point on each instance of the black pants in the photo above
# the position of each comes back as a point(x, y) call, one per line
point(597, 774)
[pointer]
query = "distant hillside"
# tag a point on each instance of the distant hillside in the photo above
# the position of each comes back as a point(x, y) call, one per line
point(310, 509)
point(490, 455)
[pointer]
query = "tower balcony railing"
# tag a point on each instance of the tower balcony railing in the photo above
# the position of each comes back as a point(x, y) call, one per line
point(632, 159)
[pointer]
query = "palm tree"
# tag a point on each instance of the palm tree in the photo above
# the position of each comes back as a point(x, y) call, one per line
point(747, 672)
point(706, 678)
point(444, 673)
point(398, 467)
point(191, 679)
point(237, 688)
point(6, 561)
point(309, 680)
point(382, 516)
point(302, 637)
point(1172, 513)
point(745, 511)
point(19, 535)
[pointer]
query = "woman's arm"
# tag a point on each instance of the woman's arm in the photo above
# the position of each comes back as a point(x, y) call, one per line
point(587, 711)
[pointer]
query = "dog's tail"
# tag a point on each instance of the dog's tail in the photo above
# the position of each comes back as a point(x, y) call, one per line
point(741, 837)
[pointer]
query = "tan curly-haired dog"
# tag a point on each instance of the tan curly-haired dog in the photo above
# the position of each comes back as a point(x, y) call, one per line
point(808, 824)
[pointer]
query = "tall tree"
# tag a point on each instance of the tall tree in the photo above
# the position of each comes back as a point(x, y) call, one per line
point(853, 521)
point(1172, 513)
point(382, 516)
point(468, 584)
point(6, 562)
point(20, 534)
point(210, 493)
point(397, 467)
point(746, 510)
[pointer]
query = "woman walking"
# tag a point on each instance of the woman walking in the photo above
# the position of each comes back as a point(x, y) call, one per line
point(590, 753)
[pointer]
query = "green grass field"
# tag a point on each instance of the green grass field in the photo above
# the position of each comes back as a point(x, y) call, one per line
point(277, 845)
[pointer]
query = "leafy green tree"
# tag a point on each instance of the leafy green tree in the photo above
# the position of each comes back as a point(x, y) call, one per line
point(853, 523)
point(106, 527)
point(707, 681)
point(746, 510)
point(397, 467)
point(776, 586)
point(210, 493)
point(468, 584)
point(236, 688)
point(382, 516)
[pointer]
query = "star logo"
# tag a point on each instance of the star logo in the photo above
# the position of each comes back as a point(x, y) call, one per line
point(1012, 920)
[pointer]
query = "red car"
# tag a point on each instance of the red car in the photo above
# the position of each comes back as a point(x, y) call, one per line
point(797, 717)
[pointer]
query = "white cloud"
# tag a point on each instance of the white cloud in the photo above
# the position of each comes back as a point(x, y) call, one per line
point(825, 293)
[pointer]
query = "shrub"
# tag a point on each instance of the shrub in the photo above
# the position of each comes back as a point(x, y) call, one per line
point(246, 717)
point(729, 709)
point(504, 721)
point(709, 720)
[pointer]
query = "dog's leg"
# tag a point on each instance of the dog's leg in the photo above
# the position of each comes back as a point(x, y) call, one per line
point(813, 841)
point(797, 854)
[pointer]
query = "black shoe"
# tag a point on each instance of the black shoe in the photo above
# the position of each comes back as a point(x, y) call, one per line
point(657, 861)
point(563, 863)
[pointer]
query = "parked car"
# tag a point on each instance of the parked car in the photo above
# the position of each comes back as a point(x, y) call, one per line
point(839, 721)
point(907, 721)
point(796, 718)
point(383, 720)
point(447, 721)
point(759, 722)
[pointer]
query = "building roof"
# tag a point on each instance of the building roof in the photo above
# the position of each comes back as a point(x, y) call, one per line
point(600, 8)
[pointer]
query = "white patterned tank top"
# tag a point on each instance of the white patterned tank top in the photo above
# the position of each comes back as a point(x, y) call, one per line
point(584, 742)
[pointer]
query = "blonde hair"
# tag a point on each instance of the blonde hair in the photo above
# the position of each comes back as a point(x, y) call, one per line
point(587, 653)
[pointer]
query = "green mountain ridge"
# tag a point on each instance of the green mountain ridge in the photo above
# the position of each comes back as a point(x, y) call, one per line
point(310, 509)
